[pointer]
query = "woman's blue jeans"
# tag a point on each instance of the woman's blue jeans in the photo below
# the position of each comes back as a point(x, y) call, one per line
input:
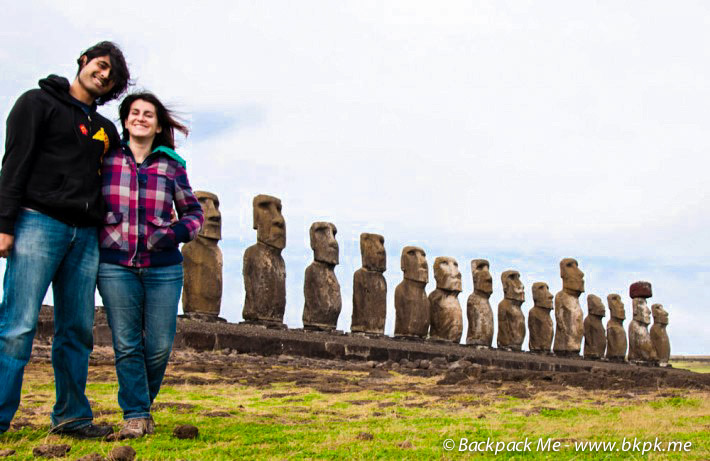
point(141, 305)
point(48, 251)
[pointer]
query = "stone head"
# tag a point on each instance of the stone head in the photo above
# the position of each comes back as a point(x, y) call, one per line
point(572, 276)
point(512, 286)
point(616, 307)
point(212, 227)
point(660, 316)
point(447, 274)
point(325, 247)
point(414, 264)
point(269, 222)
point(595, 306)
point(372, 249)
point(642, 313)
point(541, 295)
point(482, 279)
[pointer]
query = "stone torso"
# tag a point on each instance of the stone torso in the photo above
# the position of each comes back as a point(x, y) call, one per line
point(540, 329)
point(640, 346)
point(594, 337)
point(412, 309)
point(616, 343)
point(265, 284)
point(369, 302)
point(322, 293)
point(569, 323)
point(202, 292)
point(480, 320)
point(446, 316)
point(511, 325)
point(661, 343)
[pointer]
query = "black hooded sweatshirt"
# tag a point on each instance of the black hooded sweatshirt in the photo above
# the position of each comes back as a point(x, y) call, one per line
point(52, 161)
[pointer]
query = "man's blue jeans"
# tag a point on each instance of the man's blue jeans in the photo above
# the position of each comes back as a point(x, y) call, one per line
point(48, 251)
point(141, 305)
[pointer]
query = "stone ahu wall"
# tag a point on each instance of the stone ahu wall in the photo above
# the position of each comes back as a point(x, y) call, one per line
point(436, 318)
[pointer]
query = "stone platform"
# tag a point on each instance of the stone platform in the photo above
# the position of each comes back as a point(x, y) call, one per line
point(246, 338)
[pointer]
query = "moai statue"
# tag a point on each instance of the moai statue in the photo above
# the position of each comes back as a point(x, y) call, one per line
point(594, 336)
point(659, 335)
point(478, 308)
point(202, 290)
point(539, 319)
point(511, 321)
point(640, 345)
point(569, 318)
point(446, 316)
point(370, 287)
point(321, 288)
point(616, 343)
point(264, 269)
point(410, 301)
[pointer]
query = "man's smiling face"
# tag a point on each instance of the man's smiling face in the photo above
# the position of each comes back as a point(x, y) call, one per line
point(95, 76)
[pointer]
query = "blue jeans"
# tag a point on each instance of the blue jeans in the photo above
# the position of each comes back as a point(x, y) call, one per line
point(141, 305)
point(48, 251)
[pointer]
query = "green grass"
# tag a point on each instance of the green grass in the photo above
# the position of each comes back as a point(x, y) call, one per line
point(307, 424)
point(696, 366)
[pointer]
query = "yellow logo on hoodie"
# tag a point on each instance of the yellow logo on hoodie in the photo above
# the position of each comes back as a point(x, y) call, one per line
point(102, 136)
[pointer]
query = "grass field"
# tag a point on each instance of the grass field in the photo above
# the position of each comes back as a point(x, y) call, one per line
point(348, 414)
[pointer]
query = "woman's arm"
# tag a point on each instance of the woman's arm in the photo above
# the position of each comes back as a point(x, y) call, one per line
point(188, 207)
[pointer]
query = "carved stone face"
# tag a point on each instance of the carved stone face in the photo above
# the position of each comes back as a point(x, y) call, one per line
point(616, 307)
point(512, 286)
point(414, 264)
point(642, 313)
point(541, 295)
point(447, 274)
point(269, 222)
point(325, 247)
point(572, 276)
point(595, 305)
point(660, 316)
point(212, 227)
point(482, 279)
point(372, 249)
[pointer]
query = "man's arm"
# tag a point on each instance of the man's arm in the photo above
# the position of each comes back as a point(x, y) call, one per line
point(23, 130)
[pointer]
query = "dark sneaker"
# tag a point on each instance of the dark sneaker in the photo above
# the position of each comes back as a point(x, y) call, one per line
point(90, 431)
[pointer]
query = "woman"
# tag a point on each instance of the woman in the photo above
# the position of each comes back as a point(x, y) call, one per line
point(140, 271)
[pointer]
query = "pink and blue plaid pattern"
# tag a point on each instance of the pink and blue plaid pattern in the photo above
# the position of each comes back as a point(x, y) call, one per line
point(137, 229)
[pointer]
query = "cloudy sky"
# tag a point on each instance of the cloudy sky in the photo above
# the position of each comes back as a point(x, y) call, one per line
point(520, 132)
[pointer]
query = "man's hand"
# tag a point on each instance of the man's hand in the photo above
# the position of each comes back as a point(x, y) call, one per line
point(6, 242)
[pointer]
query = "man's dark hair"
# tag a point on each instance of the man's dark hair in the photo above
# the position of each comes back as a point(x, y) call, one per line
point(166, 119)
point(119, 70)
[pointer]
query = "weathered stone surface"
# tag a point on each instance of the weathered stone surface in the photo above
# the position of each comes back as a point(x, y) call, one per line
point(202, 290)
point(264, 269)
point(594, 334)
point(616, 343)
point(478, 307)
point(640, 345)
point(659, 335)
point(122, 453)
point(569, 318)
point(5, 452)
point(321, 288)
point(446, 315)
point(511, 321)
point(540, 326)
point(412, 310)
point(640, 290)
point(186, 431)
point(369, 302)
point(51, 451)
point(370, 287)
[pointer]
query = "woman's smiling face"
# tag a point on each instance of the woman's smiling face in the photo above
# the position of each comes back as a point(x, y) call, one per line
point(142, 121)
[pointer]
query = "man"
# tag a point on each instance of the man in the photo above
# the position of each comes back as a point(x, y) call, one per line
point(50, 205)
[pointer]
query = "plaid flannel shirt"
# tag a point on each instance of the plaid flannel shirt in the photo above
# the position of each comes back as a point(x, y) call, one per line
point(137, 230)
